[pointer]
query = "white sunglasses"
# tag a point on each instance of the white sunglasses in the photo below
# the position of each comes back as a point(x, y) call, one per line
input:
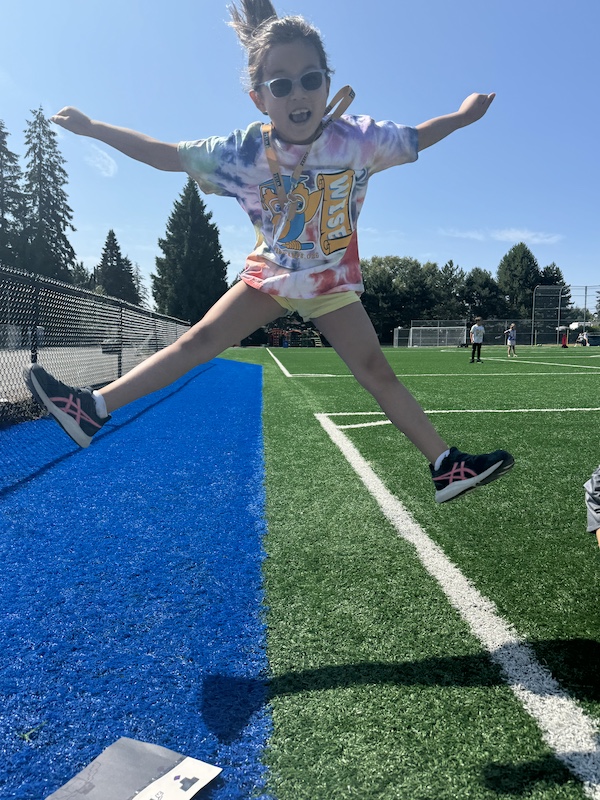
point(310, 82)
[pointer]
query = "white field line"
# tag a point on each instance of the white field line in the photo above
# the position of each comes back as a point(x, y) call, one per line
point(452, 411)
point(565, 727)
point(469, 374)
point(279, 364)
point(546, 363)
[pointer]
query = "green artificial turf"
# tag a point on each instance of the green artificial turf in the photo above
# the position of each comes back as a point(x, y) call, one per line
point(378, 688)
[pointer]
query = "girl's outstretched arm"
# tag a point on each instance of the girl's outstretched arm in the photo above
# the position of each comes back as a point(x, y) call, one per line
point(160, 155)
point(472, 109)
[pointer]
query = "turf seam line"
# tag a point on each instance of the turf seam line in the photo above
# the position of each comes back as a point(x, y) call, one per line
point(565, 727)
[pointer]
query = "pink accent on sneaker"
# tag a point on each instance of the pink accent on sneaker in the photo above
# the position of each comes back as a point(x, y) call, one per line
point(74, 410)
point(458, 473)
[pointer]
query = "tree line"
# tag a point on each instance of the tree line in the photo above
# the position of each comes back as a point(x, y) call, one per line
point(35, 221)
point(398, 290)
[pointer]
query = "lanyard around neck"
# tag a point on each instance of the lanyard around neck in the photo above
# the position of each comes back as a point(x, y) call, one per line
point(342, 100)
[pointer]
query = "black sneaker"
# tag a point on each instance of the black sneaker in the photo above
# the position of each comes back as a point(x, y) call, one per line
point(74, 409)
point(461, 472)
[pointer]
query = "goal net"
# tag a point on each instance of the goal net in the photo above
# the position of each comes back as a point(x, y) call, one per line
point(448, 336)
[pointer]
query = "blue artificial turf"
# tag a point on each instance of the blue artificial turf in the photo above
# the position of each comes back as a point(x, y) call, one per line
point(131, 596)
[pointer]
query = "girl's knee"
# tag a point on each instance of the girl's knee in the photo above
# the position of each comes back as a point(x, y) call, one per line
point(375, 376)
point(197, 343)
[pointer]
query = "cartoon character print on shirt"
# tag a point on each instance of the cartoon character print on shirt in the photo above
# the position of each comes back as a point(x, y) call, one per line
point(332, 196)
point(307, 204)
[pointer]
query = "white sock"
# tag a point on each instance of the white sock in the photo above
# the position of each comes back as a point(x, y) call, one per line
point(440, 458)
point(100, 405)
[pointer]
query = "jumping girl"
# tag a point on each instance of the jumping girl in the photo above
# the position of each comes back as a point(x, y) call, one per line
point(302, 179)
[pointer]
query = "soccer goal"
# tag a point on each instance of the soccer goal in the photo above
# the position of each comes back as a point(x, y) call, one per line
point(445, 336)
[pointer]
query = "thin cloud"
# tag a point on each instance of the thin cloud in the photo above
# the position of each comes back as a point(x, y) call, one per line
point(526, 236)
point(381, 234)
point(504, 235)
point(101, 161)
point(478, 236)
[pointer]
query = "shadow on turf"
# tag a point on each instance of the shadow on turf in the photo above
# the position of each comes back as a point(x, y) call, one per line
point(575, 663)
point(228, 702)
point(521, 779)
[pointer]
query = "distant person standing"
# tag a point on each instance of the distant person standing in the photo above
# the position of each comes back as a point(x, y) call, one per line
point(477, 334)
point(511, 340)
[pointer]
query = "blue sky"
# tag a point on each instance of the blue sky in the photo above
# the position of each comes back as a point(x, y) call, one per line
point(529, 171)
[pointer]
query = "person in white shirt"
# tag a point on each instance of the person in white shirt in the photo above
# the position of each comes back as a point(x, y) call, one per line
point(477, 333)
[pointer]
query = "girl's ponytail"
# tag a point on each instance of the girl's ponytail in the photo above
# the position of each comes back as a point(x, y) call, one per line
point(248, 19)
point(258, 28)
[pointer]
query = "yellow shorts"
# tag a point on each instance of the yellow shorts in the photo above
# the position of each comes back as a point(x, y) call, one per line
point(317, 306)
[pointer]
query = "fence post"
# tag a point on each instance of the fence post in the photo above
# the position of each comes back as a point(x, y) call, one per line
point(36, 320)
point(120, 352)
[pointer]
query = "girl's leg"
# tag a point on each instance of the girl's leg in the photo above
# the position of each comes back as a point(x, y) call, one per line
point(234, 316)
point(351, 333)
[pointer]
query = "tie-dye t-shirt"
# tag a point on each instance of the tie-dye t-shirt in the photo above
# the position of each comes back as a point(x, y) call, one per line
point(317, 253)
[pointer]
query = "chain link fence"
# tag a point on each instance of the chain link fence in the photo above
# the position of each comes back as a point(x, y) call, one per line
point(82, 338)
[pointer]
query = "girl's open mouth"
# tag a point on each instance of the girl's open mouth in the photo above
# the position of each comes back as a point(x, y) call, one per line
point(300, 116)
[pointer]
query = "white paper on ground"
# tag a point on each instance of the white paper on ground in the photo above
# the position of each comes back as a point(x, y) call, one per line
point(180, 783)
point(132, 770)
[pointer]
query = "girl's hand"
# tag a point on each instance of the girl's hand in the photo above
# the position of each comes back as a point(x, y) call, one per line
point(73, 120)
point(475, 106)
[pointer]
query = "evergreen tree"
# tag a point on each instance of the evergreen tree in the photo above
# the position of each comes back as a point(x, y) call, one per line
point(81, 276)
point(450, 291)
point(140, 287)
point(47, 250)
point(551, 275)
point(518, 275)
point(114, 273)
point(191, 275)
point(483, 296)
point(11, 203)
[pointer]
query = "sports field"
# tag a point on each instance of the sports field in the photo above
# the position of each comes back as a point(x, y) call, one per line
point(280, 595)
point(382, 685)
